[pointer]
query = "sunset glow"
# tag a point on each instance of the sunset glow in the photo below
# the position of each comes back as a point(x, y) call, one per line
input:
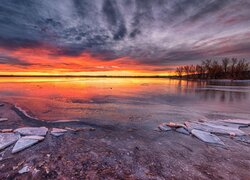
point(42, 61)
point(119, 38)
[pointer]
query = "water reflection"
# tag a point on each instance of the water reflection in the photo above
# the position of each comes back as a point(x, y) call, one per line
point(215, 91)
point(51, 98)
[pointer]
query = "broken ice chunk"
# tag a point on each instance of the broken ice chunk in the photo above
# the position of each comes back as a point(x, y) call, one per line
point(7, 139)
point(245, 139)
point(207, 137)
point(163, 127)
point(182, 131)
point(241, 122)
point(25, 169)
point(26, 142)
point(214, 128)
point(29, 131)
point(58, 132)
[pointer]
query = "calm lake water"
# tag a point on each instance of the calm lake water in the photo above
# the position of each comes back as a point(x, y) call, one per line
point(134, 101)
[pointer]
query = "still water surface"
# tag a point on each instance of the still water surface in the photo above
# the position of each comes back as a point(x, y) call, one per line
point(131, 101)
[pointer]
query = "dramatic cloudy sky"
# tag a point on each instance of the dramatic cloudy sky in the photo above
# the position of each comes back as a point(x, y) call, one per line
point(101, 36)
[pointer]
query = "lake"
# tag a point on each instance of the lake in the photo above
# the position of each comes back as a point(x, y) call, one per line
point(140, 102)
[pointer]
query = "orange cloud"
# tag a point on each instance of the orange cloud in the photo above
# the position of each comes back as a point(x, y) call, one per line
point(38, 61)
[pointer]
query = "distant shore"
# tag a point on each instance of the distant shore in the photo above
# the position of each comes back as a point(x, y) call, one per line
point(84, 76)
point(218, 80)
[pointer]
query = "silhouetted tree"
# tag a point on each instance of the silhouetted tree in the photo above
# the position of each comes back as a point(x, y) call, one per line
point(186, 70)
point(207, 66)
point(234, 68)
point(240, 68)
point(200, 71)
point(180, 71)
point(225, 63)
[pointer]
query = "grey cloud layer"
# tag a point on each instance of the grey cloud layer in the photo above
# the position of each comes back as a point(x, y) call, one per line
point(152, 31)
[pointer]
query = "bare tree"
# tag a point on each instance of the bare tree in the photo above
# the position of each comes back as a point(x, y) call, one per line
point(187, 70)
point(240, 68)
point(192, 69)
point(200, 71)
point(207, 67)
point(179, 71)
point(225, 64)
point(216, 70)
point(234, 68)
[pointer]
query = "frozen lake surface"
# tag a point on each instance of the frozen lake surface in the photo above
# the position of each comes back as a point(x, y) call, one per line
point(141, 102)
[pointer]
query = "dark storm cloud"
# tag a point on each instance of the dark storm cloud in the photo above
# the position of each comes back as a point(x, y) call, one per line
point(12, 61)
point(157, 32)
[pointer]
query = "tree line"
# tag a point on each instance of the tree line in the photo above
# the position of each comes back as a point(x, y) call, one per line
point(225, 68)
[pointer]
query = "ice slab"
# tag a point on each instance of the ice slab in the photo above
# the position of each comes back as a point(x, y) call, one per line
point(29, 131)
point(214, 128)
point(245, 139)
point(238, 121)
point(39, 138)
point(164, 127)
point(222, 123)
point(7, 139)
point(25, 169)
point(182, 131)
point(207, 137)
point(26, 142)
point(58, 132)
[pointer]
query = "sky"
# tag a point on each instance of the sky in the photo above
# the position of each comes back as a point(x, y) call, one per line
point(119, 37)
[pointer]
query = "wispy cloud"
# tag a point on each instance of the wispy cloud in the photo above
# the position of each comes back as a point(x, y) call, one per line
point(151, 32)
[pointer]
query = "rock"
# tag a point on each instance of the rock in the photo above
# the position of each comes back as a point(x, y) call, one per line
point(70, 129)
point(214, 128)
point(80, 129)
point(163, 127)
point(182, 130)
point(207, 137)
point(3, 119)
point(93, 129)
point(7, 139)
point(29, 131)
point(25, 169)
point(232, 134)
point(129, 129)
point(6, 130)
point(174, 125)
point(58, 132)
point(26, 142)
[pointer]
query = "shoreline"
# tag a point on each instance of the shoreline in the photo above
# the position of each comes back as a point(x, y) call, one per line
point(125, 152)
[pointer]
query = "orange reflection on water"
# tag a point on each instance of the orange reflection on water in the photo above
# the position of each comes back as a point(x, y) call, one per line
point(60, 98)
point(119, 98)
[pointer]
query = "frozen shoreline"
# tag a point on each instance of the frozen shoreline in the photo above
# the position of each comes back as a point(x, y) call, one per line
point(129, 152)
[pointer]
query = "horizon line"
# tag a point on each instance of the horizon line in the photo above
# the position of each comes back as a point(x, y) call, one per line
point(90, 76)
